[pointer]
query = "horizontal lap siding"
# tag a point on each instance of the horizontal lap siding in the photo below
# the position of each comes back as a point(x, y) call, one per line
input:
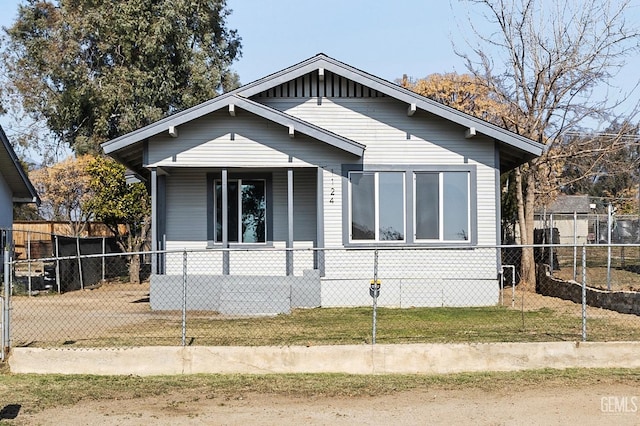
point(219, 140)
point(332, 202)
point(392, 137)
point(419, 263)
point(304, 205)
point(186, 209)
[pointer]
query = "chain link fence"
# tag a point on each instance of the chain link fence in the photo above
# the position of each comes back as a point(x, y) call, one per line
point(323, 296)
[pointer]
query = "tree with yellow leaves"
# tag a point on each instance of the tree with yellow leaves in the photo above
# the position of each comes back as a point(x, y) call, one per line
point(64, 191)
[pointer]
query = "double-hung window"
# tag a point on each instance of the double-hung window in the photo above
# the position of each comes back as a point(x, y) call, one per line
point(246, 210)
point(377, 206)
point(441, 204)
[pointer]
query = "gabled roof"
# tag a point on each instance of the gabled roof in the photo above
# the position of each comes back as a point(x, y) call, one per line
point(569, 204)
point(514, 149)
point(13, 173)
point(256, 108)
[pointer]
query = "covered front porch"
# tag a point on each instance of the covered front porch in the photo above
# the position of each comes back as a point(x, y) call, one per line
point(230, 213)
point(241, 209)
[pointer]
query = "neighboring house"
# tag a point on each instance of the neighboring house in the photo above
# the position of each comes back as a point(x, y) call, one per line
point(560, 215)
point(325, 155)
point(15, 187)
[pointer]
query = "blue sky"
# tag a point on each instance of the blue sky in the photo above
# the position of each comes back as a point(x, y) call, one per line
point(384, 38)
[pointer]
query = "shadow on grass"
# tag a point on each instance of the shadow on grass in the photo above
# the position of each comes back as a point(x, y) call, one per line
point(10, 412)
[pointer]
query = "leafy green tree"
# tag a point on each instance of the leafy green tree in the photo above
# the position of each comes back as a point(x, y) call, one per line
point(94, 70)
point(118, 203)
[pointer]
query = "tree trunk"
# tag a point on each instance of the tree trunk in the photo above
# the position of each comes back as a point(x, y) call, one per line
point(525, 202)
point(134, 269)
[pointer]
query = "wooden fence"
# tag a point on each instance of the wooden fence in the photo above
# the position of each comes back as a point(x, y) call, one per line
point(36, 235)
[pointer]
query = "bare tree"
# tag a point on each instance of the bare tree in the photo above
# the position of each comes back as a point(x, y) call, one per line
point(547, 60)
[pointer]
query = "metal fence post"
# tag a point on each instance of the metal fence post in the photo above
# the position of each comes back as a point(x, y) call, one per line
point(584, 293)
point(6, 305)
point(29, 260)
point(375, 289)
point(575, 245)
point(609, 224)
point(184, 298)
point(57, 251)
point(79, 262)
point(104, 252)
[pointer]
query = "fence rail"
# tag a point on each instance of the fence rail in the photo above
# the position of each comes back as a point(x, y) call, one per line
point(327, 296)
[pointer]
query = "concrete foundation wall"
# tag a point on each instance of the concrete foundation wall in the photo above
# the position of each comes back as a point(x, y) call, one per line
point(350, 359)
point(408, 292)
point(236, 294)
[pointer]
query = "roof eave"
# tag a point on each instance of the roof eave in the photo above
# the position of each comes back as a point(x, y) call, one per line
point(28, 191)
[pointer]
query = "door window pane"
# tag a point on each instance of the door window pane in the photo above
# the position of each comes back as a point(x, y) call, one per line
point(427, 205)
point(363, 206)
point(455, 199)
point(253, 211)
point(391, 206)
point(246, 220)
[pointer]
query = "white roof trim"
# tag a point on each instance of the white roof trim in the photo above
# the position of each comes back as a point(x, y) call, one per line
point(240, 96)
point(223, 101)
point(395, 91)
point(17, 179)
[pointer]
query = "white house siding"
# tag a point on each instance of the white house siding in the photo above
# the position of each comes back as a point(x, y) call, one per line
point(410, 278)
point(219, 140)
point(420, 278)
point(392, 137)
point(6, 204)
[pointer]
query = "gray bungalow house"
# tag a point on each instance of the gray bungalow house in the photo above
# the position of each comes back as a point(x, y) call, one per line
point(15, 187)
point(322, 155)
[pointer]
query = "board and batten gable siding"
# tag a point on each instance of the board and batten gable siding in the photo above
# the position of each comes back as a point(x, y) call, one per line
point(246, 140)
point(6, 204)
point(310, 86)
point(392, 137)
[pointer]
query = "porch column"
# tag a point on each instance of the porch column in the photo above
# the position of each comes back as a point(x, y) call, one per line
point(225, 222)
point(154, 221)
point(319, 254)
point(161, 218)
point(290, 221)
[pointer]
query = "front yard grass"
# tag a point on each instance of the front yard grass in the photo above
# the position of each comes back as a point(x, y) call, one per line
point(338, 326)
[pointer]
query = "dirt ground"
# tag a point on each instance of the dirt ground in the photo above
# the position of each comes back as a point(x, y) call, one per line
point(553, 405)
